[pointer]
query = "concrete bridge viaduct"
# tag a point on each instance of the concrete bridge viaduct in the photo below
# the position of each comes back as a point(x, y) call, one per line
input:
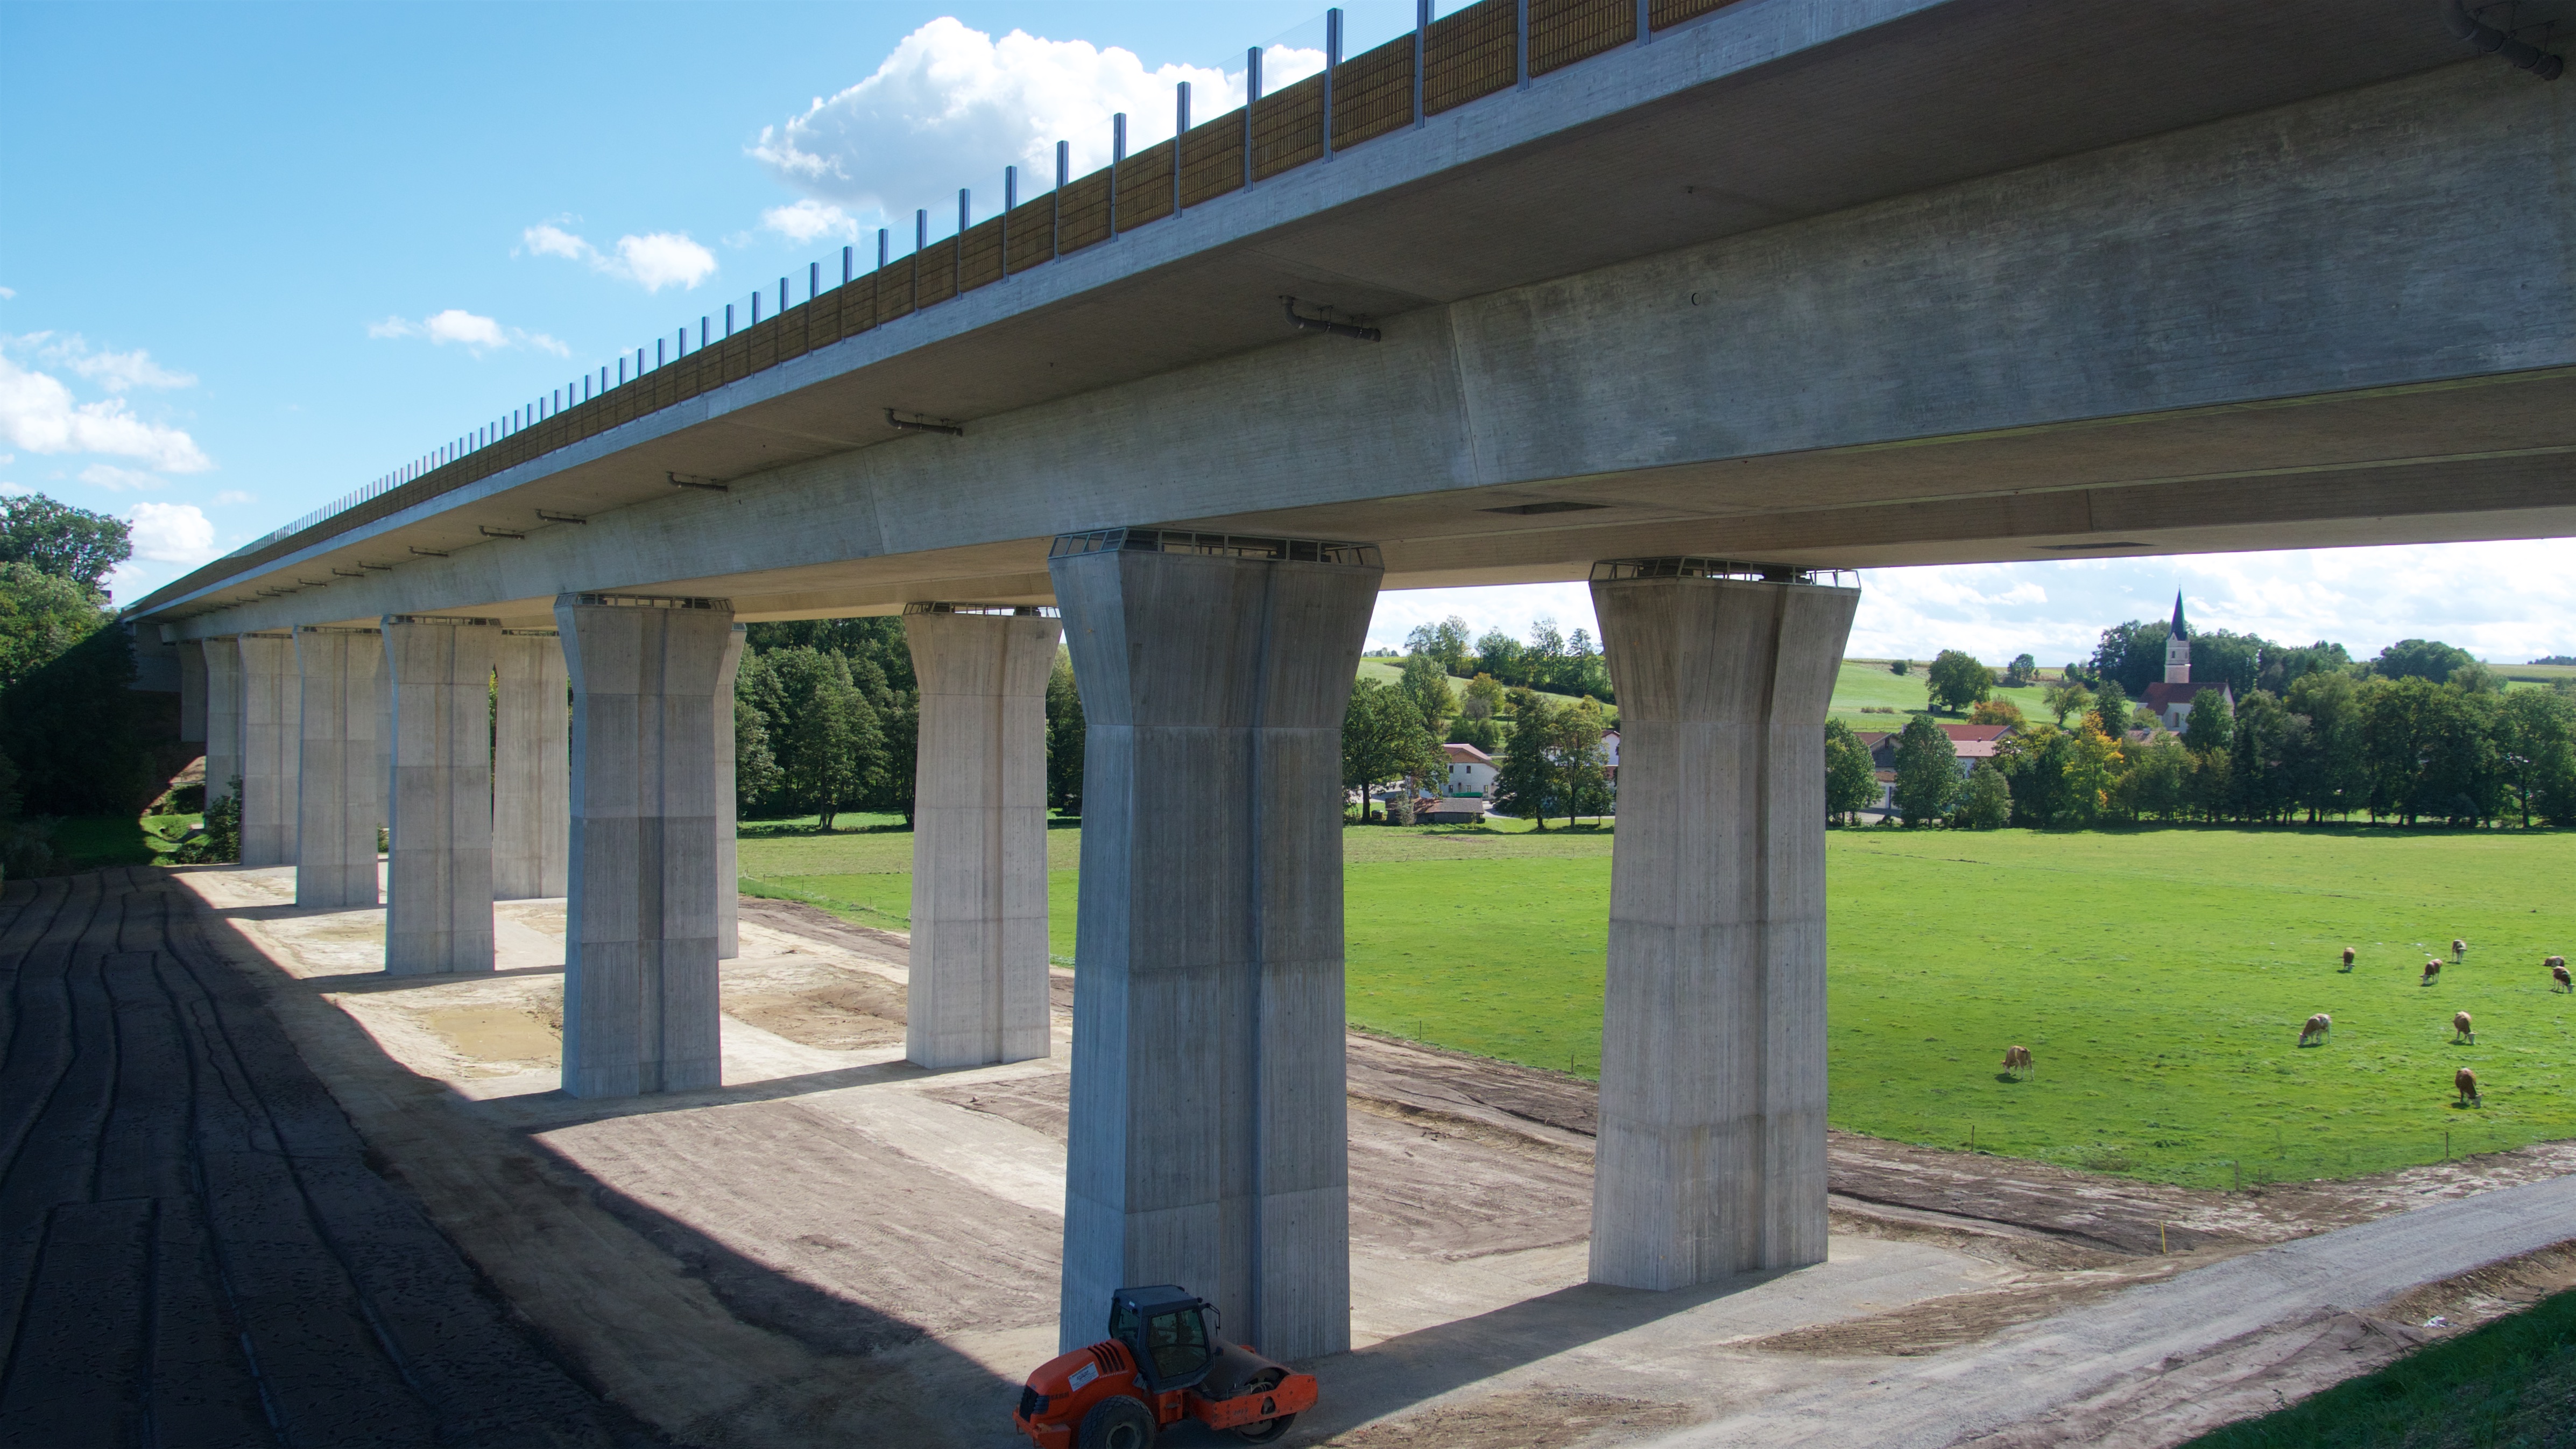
point(1774, 287)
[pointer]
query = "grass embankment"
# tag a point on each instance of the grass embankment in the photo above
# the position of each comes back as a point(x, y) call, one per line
point(1867, 697)
point(2509, 1385)
point(2160, 978)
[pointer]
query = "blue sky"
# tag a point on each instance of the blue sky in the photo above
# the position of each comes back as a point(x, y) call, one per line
point(252, 256)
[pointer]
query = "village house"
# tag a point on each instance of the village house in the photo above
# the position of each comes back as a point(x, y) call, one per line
point(1972, 742)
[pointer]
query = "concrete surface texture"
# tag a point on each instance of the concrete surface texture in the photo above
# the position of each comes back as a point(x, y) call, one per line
point(438, 878)
point(223, 684)
point(728, 852)
point(272, 714)
point(640, 964)
point(192, 692)
point(1712, 1153)
point(531, 766)
point(978, 985)
point(1206, 1147)
point(339, 766)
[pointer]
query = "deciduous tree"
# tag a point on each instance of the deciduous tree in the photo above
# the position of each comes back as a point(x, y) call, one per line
point(1927, 771)
point(1851, 779)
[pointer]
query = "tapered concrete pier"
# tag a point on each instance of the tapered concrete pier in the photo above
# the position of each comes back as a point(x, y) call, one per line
point(728, 853)
point(340, 783)
point(1207, 1141)
point(223, 716)
point(272, 715)
point(640, 954)
point(1711, 1157)
point(192, 691)
point(979, 874)
point(531, 767)
point(438, 881)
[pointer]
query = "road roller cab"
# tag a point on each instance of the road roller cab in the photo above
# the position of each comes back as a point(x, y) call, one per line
point(1161, 1363)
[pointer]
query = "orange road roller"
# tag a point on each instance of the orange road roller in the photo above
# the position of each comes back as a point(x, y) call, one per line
point(1161, 1363)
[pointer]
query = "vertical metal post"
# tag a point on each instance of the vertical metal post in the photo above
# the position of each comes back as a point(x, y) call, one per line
point(957, 253)
point(885, 240)
point(1063, 177)
point(703, 330)
point(1117, 155)
point(1180, 130)
point(728, 319)
point(1332, 63)
point(1645, 21)
point(1251, 101)
point(755, 306)
point(782, 295)
point(1520, 40)
point(920, 244)
point(1422, 51)
point(813, 280)
point(1010, 203)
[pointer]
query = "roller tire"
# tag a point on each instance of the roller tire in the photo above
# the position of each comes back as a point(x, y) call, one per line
point(1120, 1422)
point(1264, 1430)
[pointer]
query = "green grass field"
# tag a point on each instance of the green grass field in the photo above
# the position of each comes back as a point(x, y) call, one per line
point(1866, 684)
point(2510, 1384)
point(2159, 977)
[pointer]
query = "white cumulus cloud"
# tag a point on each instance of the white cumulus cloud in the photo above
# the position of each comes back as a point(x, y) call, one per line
point(808, 219)
point(952, 104)
point(113, 370)
point(119, 480)
point(39, 413)
point(172, 533)
point(652, 261)
point(477, 334)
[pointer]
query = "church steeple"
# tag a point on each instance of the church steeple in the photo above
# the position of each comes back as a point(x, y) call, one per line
point(2178, 648)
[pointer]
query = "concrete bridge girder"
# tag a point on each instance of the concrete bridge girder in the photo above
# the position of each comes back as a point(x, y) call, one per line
point(2264, 331)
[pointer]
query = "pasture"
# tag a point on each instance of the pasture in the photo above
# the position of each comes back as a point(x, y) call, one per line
point(2159, 977)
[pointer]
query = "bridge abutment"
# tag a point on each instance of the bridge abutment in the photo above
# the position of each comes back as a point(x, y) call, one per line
point(531, 766)
point(1711, 1157)
point(1208, 1142)
point(339, 768)
point(438, 885)
point(978, 990)
point(641, 945)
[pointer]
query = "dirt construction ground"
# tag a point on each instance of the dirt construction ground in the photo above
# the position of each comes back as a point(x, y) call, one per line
point(838, 1248)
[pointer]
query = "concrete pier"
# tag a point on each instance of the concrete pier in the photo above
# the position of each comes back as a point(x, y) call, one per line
point(1712, 1142)
point(531, 767)
point(1208, 1143)
point(192, 691)
point(339, 774)
point(223, 715)
point(979, 874)
point(728, 853)
point(640, 952)
point(272, 726)
point(438, 882)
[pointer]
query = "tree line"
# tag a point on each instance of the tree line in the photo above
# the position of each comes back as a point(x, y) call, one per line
point(1550, 660)
point(2421, 734)
point(73, 737)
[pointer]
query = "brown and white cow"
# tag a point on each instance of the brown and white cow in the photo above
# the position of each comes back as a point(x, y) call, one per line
point(2017, 1059)
point(2460, 1028)
point(2467, 1083)
point(2320, 1027)
point(2432, 968)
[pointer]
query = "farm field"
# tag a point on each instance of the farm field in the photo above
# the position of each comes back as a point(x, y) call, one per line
point(2159, 977)
point(1866, 684)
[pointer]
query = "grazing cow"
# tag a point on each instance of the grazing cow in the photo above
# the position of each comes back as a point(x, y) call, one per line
point(2558, 973)
point(2459, 951)
point(2347, 958)
point(2467, 1082)
point(2017, 1059)
point(2319, 1026)
point(2460, 1028)
point(2432, 968)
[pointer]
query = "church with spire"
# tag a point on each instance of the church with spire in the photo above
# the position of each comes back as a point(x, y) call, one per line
point(2172, 698)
